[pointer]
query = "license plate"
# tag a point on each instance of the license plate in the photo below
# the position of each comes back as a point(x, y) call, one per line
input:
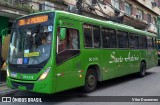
point(13, 74)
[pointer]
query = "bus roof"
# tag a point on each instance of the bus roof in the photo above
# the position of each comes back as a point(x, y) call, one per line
point(103, 23)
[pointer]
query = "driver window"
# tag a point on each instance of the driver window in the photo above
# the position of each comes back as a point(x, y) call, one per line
point(71, 42)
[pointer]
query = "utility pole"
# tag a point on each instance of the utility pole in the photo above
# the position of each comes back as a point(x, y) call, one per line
point(79, 7)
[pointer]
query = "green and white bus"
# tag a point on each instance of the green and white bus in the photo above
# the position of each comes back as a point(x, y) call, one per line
point(54, 51)
point(158, 48)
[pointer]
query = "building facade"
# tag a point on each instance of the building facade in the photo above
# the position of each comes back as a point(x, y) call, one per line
point(141, 14)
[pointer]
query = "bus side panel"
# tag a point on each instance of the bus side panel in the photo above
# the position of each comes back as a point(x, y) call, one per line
point(123, 65)
point(143, 57)
point(117, 63)
point(109, 64)
point(151, 58)
point(70, 73)
point(91, 58)
point(135, 61)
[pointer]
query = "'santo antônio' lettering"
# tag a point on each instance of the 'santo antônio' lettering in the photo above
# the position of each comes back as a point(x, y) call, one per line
point(129, 58)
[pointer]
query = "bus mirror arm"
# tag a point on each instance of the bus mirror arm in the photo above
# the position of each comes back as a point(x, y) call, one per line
point(62, 33)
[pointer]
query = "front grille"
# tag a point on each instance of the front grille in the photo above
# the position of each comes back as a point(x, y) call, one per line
point(24, 70)
point(29, 86)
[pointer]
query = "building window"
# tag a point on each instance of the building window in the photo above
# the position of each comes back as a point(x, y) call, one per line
point(88, 35)
point(116, 4)
point(128, 8)
point(139, 14)
point(154, 20)
point(149, 18)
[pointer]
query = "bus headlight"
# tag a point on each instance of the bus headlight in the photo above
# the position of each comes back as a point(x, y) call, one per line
point(45, 73)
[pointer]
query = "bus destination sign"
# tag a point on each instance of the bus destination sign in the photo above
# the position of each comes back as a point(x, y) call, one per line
point(33, 20)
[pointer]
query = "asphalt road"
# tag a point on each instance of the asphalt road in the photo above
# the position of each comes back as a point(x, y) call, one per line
point(130, 85)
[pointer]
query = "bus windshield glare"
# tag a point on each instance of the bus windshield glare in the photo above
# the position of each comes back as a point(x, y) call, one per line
point(31, 40)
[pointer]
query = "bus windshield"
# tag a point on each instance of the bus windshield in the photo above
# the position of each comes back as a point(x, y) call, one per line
point(30, 44)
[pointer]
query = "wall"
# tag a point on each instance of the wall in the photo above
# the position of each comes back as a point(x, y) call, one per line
point(3, 23)
point(5, 46)
point(148, 4)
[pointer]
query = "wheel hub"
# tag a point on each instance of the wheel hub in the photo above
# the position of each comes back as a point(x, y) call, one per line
point(91, 80)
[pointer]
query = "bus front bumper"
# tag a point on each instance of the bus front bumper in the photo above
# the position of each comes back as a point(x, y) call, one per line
point(47, 86)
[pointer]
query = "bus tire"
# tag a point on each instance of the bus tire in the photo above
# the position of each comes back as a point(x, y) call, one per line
point(142, 72)
point(90, 81)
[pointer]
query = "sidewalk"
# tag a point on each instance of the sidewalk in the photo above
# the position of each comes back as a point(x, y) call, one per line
point(4, 90)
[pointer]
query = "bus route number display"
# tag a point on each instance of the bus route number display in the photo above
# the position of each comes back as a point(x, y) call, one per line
point(33, 20)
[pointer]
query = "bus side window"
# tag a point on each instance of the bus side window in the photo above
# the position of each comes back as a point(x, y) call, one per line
point(105, 38)
point(96, 36)
point(88, 39)
point(133, 41)
point(61, 43)
point(154, 43)
point(70, 42)
point(122, 39)
point(73, 39)
point(149, 43)
point(142, 42)
point(113, 41)
point(109, 38)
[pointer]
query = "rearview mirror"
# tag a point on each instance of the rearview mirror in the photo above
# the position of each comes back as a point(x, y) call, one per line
point(62, 33)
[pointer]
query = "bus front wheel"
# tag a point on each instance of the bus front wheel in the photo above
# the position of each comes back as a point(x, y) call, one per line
point(90, 81)
point(142, 70)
